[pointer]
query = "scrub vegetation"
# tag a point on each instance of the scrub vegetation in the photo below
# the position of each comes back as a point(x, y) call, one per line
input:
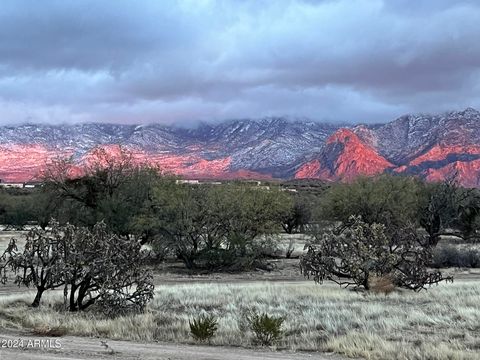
point(441, 323)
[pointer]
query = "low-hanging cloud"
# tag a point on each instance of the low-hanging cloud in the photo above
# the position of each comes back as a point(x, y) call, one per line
point(185, 61)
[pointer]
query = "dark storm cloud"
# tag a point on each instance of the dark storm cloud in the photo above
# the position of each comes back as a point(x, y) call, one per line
point(182, 61)
point(85, 35)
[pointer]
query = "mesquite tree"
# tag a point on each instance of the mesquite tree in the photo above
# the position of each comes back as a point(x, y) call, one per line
point(112, 187)
point(93, 266)
point(357, 251)
point(451, 210)
point(213, 226)
point(297, 216)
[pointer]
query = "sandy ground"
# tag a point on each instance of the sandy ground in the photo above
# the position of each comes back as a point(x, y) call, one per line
point(285, 270)
point(71, 347)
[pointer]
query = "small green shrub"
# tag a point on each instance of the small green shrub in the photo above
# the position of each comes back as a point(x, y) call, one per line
point(203, 328)
point(267, 329)
point(453, 256)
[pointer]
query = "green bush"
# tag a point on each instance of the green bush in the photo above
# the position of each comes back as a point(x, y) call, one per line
point(203, 328)
point(267, 329)
point(452, 256)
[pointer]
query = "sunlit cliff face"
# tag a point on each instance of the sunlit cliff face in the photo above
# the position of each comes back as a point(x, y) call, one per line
point(344, 158)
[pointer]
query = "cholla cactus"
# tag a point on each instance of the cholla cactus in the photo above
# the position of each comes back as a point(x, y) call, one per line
point(351, 254)
point(93, 266)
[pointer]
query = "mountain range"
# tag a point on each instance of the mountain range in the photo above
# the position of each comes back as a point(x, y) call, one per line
point(431, 146)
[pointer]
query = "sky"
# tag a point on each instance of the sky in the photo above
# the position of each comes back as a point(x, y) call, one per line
point(180, 62)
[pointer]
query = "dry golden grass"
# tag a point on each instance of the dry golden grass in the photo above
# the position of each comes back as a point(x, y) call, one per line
point(381, 285)
point(43, 330)
point(441, 323)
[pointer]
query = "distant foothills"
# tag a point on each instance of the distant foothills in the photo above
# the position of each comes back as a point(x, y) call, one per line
point(432, 147)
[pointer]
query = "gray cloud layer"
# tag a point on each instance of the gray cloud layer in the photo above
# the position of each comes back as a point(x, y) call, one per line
point(183, 61)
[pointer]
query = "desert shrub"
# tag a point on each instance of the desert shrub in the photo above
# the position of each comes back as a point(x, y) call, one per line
point(440, 209)
point(159, 252)
point(253, 256)
point(449, 209)
point(452, 256)
point(290, 249)
point(381, 284)
point(266, 329)
point(56, 331)
point(203, 328)
point(17, 208)
point(296, 216)
point(389, 200)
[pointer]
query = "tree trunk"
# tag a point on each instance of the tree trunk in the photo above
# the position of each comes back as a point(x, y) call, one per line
point(83, 306)
point(287, 228)
point(73, 303)
point(38, 296)
point(82, 292)
point(366, 284)
point(188, 261)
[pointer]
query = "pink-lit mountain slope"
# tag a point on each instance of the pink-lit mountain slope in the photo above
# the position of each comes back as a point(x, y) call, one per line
point(433, 147)
point(429, 146)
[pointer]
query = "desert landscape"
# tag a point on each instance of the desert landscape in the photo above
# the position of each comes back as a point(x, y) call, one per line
point(240, 179)
point(319, 321)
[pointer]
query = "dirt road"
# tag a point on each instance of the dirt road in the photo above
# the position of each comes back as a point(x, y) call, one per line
point(76, 348)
